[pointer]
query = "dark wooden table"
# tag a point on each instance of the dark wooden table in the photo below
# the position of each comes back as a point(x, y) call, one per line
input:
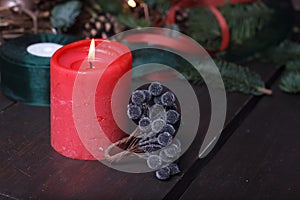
point(257, 156)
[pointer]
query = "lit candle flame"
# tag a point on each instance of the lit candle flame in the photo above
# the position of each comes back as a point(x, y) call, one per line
point(131, 3)
point(91, 56)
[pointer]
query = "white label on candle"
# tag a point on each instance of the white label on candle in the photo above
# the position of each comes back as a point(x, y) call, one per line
point(43, 49)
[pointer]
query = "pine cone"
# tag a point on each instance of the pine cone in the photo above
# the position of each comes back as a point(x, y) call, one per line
point(181, 19)
point(104, 26)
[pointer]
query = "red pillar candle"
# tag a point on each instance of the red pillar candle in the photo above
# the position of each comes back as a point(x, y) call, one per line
point(76, 107)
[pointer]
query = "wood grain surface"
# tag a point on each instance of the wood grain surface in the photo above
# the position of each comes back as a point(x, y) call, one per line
point(260, 160)
point(31, 169)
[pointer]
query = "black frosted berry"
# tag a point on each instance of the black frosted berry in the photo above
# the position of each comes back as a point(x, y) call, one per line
point(148, 95)
point(145, 109)
point(164, 139)
point(155, 88)
point(169, 128)
point(150, 147)
point(138, 97)
point(174, 169)
point(164, 157)
point(172, 151)
point(154, 162)
point(148, 140)
point(134, 111)
point(168, 99)
point(172, 116)
point(163, 173)
point(156, 111)
point(145, 124)
point(157, 100)
point(157, 125)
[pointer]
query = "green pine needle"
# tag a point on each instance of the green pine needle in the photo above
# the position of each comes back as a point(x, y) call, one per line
point(63, 15)
point(290, 82)
point(162, 6)
point(203, 27)
point(236, 78)
point(244, 21)
point(288, 54)
point(111, 6)
point(132, 22)
point(285, 52)
point(293, 65)
point(241, 79)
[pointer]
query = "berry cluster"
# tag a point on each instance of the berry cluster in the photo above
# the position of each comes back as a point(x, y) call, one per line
point(156, 111)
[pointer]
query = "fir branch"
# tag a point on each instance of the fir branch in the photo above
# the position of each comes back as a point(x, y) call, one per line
point(94, 5)
point(162, 6)
point(241, 79)
point(290, 82)
point(203, 27)
point(293, 65)
point(244, 20)
point(63, 15)
point(132, 22)
point(286, 52)
point(236, 78)
point(191, 74)
point(111, 6)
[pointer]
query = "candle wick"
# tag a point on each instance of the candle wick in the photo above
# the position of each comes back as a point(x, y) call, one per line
point(91, 64)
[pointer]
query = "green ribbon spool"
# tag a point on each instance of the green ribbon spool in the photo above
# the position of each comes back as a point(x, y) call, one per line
point(24, 76)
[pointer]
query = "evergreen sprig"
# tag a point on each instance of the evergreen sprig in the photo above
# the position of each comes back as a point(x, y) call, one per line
point(293, 65)
point(286, 52)
point(244, 21)
point(64, 15)
point(203, 27)
point(290, 82)
point(236, 78)
point(131, 22)
point(161, 6)
point(111, 6)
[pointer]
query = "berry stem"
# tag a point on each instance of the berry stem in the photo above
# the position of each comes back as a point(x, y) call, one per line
point(130, 149)
point(265, 91)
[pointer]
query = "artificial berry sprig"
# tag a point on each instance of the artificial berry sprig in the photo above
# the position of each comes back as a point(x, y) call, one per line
point(156, 111)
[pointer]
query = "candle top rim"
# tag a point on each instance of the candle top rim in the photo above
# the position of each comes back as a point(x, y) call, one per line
point(109, 50)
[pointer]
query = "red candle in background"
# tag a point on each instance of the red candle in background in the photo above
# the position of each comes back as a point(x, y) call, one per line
point(96, 78)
